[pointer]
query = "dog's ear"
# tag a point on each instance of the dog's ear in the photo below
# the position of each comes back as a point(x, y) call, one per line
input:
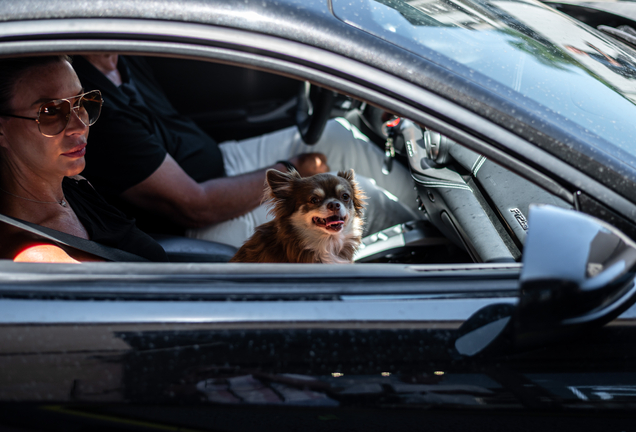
point(347, 175)
point(358, 195)
point(280, 184)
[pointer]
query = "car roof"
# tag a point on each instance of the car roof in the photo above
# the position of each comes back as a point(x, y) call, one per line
point(250, 14)
point(310, 22)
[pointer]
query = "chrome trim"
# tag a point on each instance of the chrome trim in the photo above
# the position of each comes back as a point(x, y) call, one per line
point(435, 184)
point(361, 310)
point(478, 164)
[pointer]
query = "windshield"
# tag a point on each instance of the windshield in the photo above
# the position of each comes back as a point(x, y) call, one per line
point(575, 73)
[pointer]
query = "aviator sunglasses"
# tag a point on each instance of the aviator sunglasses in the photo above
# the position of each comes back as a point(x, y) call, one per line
point(53, 116)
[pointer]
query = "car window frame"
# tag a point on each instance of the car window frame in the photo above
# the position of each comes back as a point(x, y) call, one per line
point(339, 73)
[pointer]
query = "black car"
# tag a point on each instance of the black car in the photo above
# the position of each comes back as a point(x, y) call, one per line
point(507, 306)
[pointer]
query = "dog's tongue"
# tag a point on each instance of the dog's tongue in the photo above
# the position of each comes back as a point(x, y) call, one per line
point(335, 219)
point(335, 222)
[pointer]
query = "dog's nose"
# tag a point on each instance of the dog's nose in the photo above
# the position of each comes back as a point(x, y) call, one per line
point(333, 206)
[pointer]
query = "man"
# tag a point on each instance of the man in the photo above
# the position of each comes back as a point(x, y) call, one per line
point(170, 173)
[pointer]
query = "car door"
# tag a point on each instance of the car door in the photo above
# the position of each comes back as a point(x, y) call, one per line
point(108, 345)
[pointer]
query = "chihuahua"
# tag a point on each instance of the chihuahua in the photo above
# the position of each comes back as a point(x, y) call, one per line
point(317, 219)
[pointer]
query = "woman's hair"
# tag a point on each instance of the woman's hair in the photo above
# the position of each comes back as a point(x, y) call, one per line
point(12, 68)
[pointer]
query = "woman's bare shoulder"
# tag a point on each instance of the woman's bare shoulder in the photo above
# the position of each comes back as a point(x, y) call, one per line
point(22, 246)
point(44, 253)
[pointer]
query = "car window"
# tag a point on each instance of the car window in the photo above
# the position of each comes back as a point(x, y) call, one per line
point(470, 208)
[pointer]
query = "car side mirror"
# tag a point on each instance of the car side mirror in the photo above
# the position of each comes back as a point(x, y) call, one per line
point(578, 272)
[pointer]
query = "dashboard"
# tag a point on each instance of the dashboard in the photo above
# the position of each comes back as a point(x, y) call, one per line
point(466, 199)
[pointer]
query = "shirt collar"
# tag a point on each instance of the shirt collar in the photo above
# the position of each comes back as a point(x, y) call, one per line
point(93, 76)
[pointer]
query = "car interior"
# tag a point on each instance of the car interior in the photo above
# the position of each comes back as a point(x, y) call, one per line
point(473, 210)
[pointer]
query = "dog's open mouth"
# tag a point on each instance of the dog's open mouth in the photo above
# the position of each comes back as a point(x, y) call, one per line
point(333, 223)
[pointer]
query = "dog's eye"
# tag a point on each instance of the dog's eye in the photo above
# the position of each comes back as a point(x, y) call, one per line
point(345, 197)
point(314, 200)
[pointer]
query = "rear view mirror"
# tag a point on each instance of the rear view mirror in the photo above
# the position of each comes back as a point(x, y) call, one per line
point(578, 272)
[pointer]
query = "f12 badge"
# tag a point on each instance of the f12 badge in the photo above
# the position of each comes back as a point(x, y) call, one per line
point(520, 218)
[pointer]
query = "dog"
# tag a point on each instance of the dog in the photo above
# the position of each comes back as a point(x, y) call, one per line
point(317, 219)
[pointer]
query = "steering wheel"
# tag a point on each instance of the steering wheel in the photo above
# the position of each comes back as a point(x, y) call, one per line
point(313, 111)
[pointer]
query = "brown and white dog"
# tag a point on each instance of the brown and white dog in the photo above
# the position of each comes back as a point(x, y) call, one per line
point(317, 219)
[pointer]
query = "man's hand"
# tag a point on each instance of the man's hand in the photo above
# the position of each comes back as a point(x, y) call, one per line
point(309, 164)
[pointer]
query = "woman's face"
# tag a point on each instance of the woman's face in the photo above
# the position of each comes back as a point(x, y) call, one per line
point(25, 150)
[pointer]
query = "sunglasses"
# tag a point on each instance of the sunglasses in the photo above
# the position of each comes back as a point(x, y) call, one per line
point(54, 116)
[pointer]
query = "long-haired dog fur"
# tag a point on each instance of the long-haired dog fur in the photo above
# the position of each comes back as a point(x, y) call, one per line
point(317, 219)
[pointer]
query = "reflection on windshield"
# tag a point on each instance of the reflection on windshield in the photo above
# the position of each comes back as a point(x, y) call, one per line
point(522, 45)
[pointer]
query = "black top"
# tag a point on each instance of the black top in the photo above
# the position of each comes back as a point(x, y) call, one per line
point(137, 128)
point(105, 224)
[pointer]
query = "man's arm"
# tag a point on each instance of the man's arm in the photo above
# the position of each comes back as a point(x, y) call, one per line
point(171, 192)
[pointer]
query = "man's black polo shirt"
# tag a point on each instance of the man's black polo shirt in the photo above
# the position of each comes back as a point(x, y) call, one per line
point(137, 128)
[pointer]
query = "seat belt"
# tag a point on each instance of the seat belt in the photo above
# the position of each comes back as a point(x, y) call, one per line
point(59, 237)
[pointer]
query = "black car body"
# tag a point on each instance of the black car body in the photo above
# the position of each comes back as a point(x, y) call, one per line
point(474, 319)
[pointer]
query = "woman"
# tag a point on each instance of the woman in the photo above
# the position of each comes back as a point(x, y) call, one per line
point(44, 120)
